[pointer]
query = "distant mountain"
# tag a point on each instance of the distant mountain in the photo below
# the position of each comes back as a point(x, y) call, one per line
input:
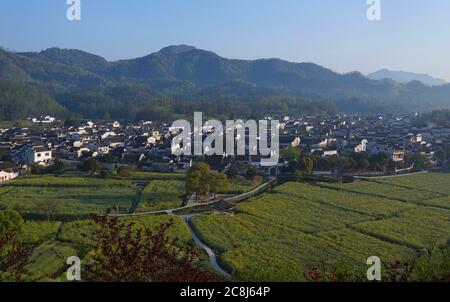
point(177, 79)
point(19, 101)
point(406, 77)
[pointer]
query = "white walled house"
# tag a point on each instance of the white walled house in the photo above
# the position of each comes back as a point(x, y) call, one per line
point(7, 176)
point(8, 171)
point(41, 155)
point(330, 152)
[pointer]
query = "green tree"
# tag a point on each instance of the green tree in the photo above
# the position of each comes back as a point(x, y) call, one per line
point(197, 179)
point(291, 153)
point(58, 166)
point(251, 173)
point(91, 166)
point(125, 172)
point(232, 172)
point(14, 256)
point(420, 161)
point(218, 182)
point(379, 161)
point(308, 164)
point(10, 220)
point(192, 182)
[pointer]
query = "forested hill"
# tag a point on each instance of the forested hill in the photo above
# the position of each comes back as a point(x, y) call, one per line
point(178, 79)
point(18, 100)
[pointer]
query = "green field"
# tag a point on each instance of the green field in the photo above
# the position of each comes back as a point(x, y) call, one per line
point(388, 191)
point(162, 195)
point(274, 237)
point(236, 187)
point(66, 196)
point(76, 196)
point(145, 176)
point(48, 260)
point(54, 242)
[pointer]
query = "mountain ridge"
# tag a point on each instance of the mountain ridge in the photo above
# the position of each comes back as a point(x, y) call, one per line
point(86, 83)
point(406, 77)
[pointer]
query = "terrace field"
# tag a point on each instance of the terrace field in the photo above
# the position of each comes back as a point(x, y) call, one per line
point(75, 196)
point(161, 195)
point(54, 242)
point(388, 191)
point(66, 197)
point(274, 237)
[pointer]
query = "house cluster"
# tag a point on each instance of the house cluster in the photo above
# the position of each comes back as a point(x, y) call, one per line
point(148, 145)
point(394, 135)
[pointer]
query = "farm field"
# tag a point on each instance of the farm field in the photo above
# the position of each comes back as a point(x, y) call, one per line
point(145, 176)
point(75, 196)
point(274, 237)
point(165, 193)
point(56, 211)
point(55, 241)
point(161, 195)
point(433, 182)
point(236, 187)
point(388, 191)
point(66, 198)
point(368, 205)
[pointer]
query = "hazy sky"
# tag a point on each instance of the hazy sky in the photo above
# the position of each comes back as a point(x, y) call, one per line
point(413, 35)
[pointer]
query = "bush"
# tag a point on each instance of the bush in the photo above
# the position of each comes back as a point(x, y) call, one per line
point(56, 168)
point(125, 172)
point(91, 166)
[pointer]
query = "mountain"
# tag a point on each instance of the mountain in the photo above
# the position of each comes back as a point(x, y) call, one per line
point(19, 101)
point(178, 79)
point(75, 58)
point(406, 77)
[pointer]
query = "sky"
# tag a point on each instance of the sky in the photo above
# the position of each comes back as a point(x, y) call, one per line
point(412, 35)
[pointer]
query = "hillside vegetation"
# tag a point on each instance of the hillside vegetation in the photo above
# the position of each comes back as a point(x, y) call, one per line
point(180, 79)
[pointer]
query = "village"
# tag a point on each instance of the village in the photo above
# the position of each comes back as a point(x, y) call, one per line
point(338, 145)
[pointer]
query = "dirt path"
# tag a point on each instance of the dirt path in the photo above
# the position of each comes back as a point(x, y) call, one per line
point(209, 251)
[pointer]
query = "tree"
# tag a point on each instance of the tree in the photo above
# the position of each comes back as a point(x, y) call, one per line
point(361, 159)
point(192, 182)
point(200, 180)
point(379, 161)
point(197, 179)
point(10, 220)
point(218, 182)
point(308, 164)
point(420, 161)
point(125, 252)
point(298, 176)
point(108, 158)
point(14, 256)
point(293, 156)
point(232, 172)
point(251, 173)
point(91, 166)
point(124, 172)
point(58, 166)
point(291, 153)
point(364, 164)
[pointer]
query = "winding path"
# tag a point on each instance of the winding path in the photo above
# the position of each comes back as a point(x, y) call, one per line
point(186, 218)
point(257, 191)
point(211, 254)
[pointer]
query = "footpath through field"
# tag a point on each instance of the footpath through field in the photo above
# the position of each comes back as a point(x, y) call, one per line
point(209, 251)
point(237, 198)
